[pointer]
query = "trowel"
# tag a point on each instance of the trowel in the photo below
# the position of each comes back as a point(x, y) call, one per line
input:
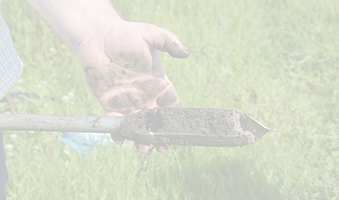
point(173, 126)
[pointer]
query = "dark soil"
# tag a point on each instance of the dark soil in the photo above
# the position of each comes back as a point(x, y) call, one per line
point(192, 126)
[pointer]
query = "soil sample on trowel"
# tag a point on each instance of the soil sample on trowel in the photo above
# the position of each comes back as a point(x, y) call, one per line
point(192, 127)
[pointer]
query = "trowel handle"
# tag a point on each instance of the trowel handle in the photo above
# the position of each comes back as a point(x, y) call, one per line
point(60, 123)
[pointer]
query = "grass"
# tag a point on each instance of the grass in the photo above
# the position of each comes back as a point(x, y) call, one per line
point(276, 60)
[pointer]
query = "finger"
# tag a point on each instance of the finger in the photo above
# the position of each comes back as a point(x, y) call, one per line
point(114, 114)
point(170, 98)
point(164, 40)
point(118, 139)
point(143, 148)
point(132, 112)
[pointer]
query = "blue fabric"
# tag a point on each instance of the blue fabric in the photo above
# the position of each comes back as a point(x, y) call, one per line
point(3, 169)
point(78, 142)
point(84, 143)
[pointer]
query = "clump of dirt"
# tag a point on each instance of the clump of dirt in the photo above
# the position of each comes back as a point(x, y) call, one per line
point(190, 126)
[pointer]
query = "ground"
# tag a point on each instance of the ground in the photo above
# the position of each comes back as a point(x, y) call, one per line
point(275, 60)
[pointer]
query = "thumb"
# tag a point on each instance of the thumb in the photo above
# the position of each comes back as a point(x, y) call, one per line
point(163, 40)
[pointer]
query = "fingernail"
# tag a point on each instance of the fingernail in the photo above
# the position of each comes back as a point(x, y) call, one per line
point(143, 148)
point(186, 50)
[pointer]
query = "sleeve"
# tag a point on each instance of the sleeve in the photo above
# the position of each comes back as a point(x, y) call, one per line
point(11, 67)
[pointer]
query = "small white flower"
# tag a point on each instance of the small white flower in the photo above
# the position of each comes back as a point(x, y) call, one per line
point(65, 98)
point(52, 49)
point(55, 81)
point(72, 102)
point(70, 95)
point(44, 82)
point(14, 136)
point(20, 88)
point(45, 105)
point(10, 154)
point(38, 86)
point(36, 149)
point(158, 7)
point(66, 151)
point(20, 81)
point(68, 76)
point(9, 147)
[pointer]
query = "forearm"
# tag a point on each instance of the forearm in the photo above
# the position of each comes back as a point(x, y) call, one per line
point(76, 20)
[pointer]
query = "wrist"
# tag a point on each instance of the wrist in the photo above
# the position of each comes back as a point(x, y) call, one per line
point(76, 20)
point(99, 23)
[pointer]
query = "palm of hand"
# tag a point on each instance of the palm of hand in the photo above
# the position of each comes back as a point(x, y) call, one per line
point(123, 69)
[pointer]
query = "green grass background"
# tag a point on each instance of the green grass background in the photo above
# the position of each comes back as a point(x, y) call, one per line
point(277, 60)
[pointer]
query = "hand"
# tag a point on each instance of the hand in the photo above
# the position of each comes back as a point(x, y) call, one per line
point(122, 68)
